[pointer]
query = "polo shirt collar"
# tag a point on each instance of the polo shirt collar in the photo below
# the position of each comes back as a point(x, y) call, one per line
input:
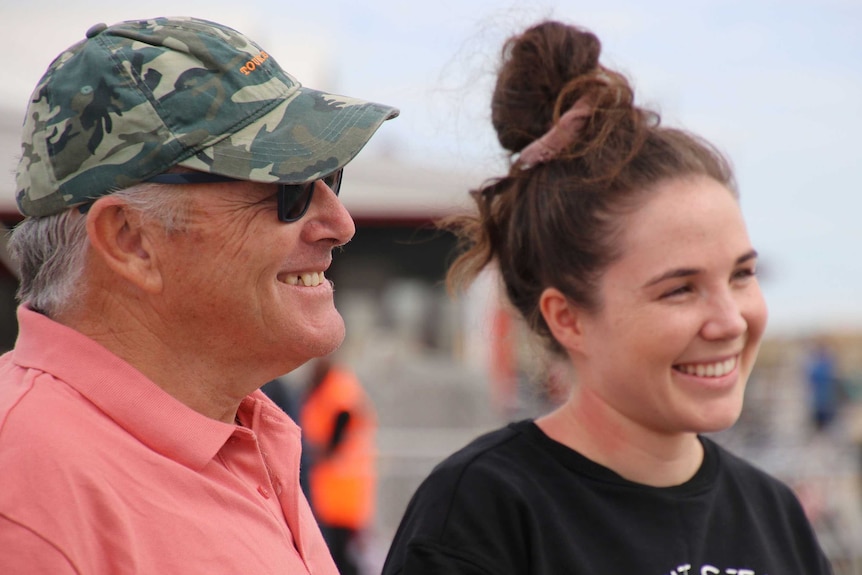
point(123, 393)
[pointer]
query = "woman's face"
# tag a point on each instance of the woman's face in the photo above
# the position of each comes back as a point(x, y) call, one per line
point(672, 344)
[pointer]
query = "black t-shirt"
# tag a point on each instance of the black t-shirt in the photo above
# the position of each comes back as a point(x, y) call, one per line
point(516, 502)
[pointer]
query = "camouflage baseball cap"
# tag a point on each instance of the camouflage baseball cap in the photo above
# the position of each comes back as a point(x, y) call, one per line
point(134, 99)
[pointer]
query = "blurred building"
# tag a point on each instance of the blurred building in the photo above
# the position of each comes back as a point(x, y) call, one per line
point(10, 134)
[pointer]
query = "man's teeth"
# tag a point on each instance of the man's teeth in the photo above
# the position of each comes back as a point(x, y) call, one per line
point(307, 279)
point(717, 369)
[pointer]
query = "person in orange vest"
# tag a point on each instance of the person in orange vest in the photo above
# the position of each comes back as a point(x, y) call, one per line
point(338, 422)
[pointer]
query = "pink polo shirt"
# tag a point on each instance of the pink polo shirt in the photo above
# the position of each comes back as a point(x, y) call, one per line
point(102, 472)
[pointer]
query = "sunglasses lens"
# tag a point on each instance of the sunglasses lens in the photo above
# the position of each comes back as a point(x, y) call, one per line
point(333, 180)
point(293, 201)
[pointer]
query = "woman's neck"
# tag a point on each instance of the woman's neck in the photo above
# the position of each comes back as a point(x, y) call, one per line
point(594, 429)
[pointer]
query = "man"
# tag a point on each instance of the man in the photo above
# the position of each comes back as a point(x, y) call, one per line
point(181, 198)
point(338, 423)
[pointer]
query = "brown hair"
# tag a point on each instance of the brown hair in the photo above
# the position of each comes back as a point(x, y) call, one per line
point(555, 224)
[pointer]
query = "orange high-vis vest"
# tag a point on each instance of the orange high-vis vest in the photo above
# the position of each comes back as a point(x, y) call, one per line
point(343, 483)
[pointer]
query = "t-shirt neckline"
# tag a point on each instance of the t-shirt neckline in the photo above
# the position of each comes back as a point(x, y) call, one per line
point(575, 462)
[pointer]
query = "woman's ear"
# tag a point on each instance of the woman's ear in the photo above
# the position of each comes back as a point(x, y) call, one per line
point(123, 243)
point(564, 319)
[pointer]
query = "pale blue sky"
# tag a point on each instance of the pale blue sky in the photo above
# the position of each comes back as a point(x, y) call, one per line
point(775, 84)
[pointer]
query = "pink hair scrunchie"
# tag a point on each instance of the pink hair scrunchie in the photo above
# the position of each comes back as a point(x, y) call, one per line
point(559, 137)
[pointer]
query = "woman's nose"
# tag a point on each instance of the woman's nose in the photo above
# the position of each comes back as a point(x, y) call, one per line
point(726, 319)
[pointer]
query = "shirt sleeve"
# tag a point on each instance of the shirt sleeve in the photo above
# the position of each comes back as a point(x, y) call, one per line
point(460, 523)
point(429, 558)
point(27, 552)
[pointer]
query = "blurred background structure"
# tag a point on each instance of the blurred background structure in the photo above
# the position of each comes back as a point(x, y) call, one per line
point(777, 84)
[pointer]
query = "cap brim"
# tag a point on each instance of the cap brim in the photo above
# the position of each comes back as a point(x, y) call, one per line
point(306, 136)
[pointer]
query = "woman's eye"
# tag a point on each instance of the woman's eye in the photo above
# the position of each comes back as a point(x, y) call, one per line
point(744, 273)
point(681, 290)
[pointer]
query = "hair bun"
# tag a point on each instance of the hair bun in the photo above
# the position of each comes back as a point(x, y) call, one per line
point(537, 66)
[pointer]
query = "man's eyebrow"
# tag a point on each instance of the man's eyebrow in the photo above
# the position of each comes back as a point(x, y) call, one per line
point(688, 272)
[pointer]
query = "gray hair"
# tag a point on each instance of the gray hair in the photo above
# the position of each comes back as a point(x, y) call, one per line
point(51, 252)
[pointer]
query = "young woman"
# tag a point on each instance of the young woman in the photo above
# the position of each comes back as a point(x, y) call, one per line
point(622, 244)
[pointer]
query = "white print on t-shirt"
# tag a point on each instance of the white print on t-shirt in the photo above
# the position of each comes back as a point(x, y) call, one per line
point(710, 570)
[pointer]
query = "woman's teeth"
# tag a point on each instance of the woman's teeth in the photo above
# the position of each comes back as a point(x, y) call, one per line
point(717, 369)
point(307, 279)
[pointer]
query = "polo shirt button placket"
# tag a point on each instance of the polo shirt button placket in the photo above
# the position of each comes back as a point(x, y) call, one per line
point(263, 491)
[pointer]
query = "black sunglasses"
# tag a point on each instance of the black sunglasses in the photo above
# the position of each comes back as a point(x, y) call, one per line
point(293, 199)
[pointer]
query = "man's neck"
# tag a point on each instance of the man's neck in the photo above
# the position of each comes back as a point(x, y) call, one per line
point(175, 362)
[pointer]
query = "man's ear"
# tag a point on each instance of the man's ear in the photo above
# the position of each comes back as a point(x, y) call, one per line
point(564, 319)
point(119, 238)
